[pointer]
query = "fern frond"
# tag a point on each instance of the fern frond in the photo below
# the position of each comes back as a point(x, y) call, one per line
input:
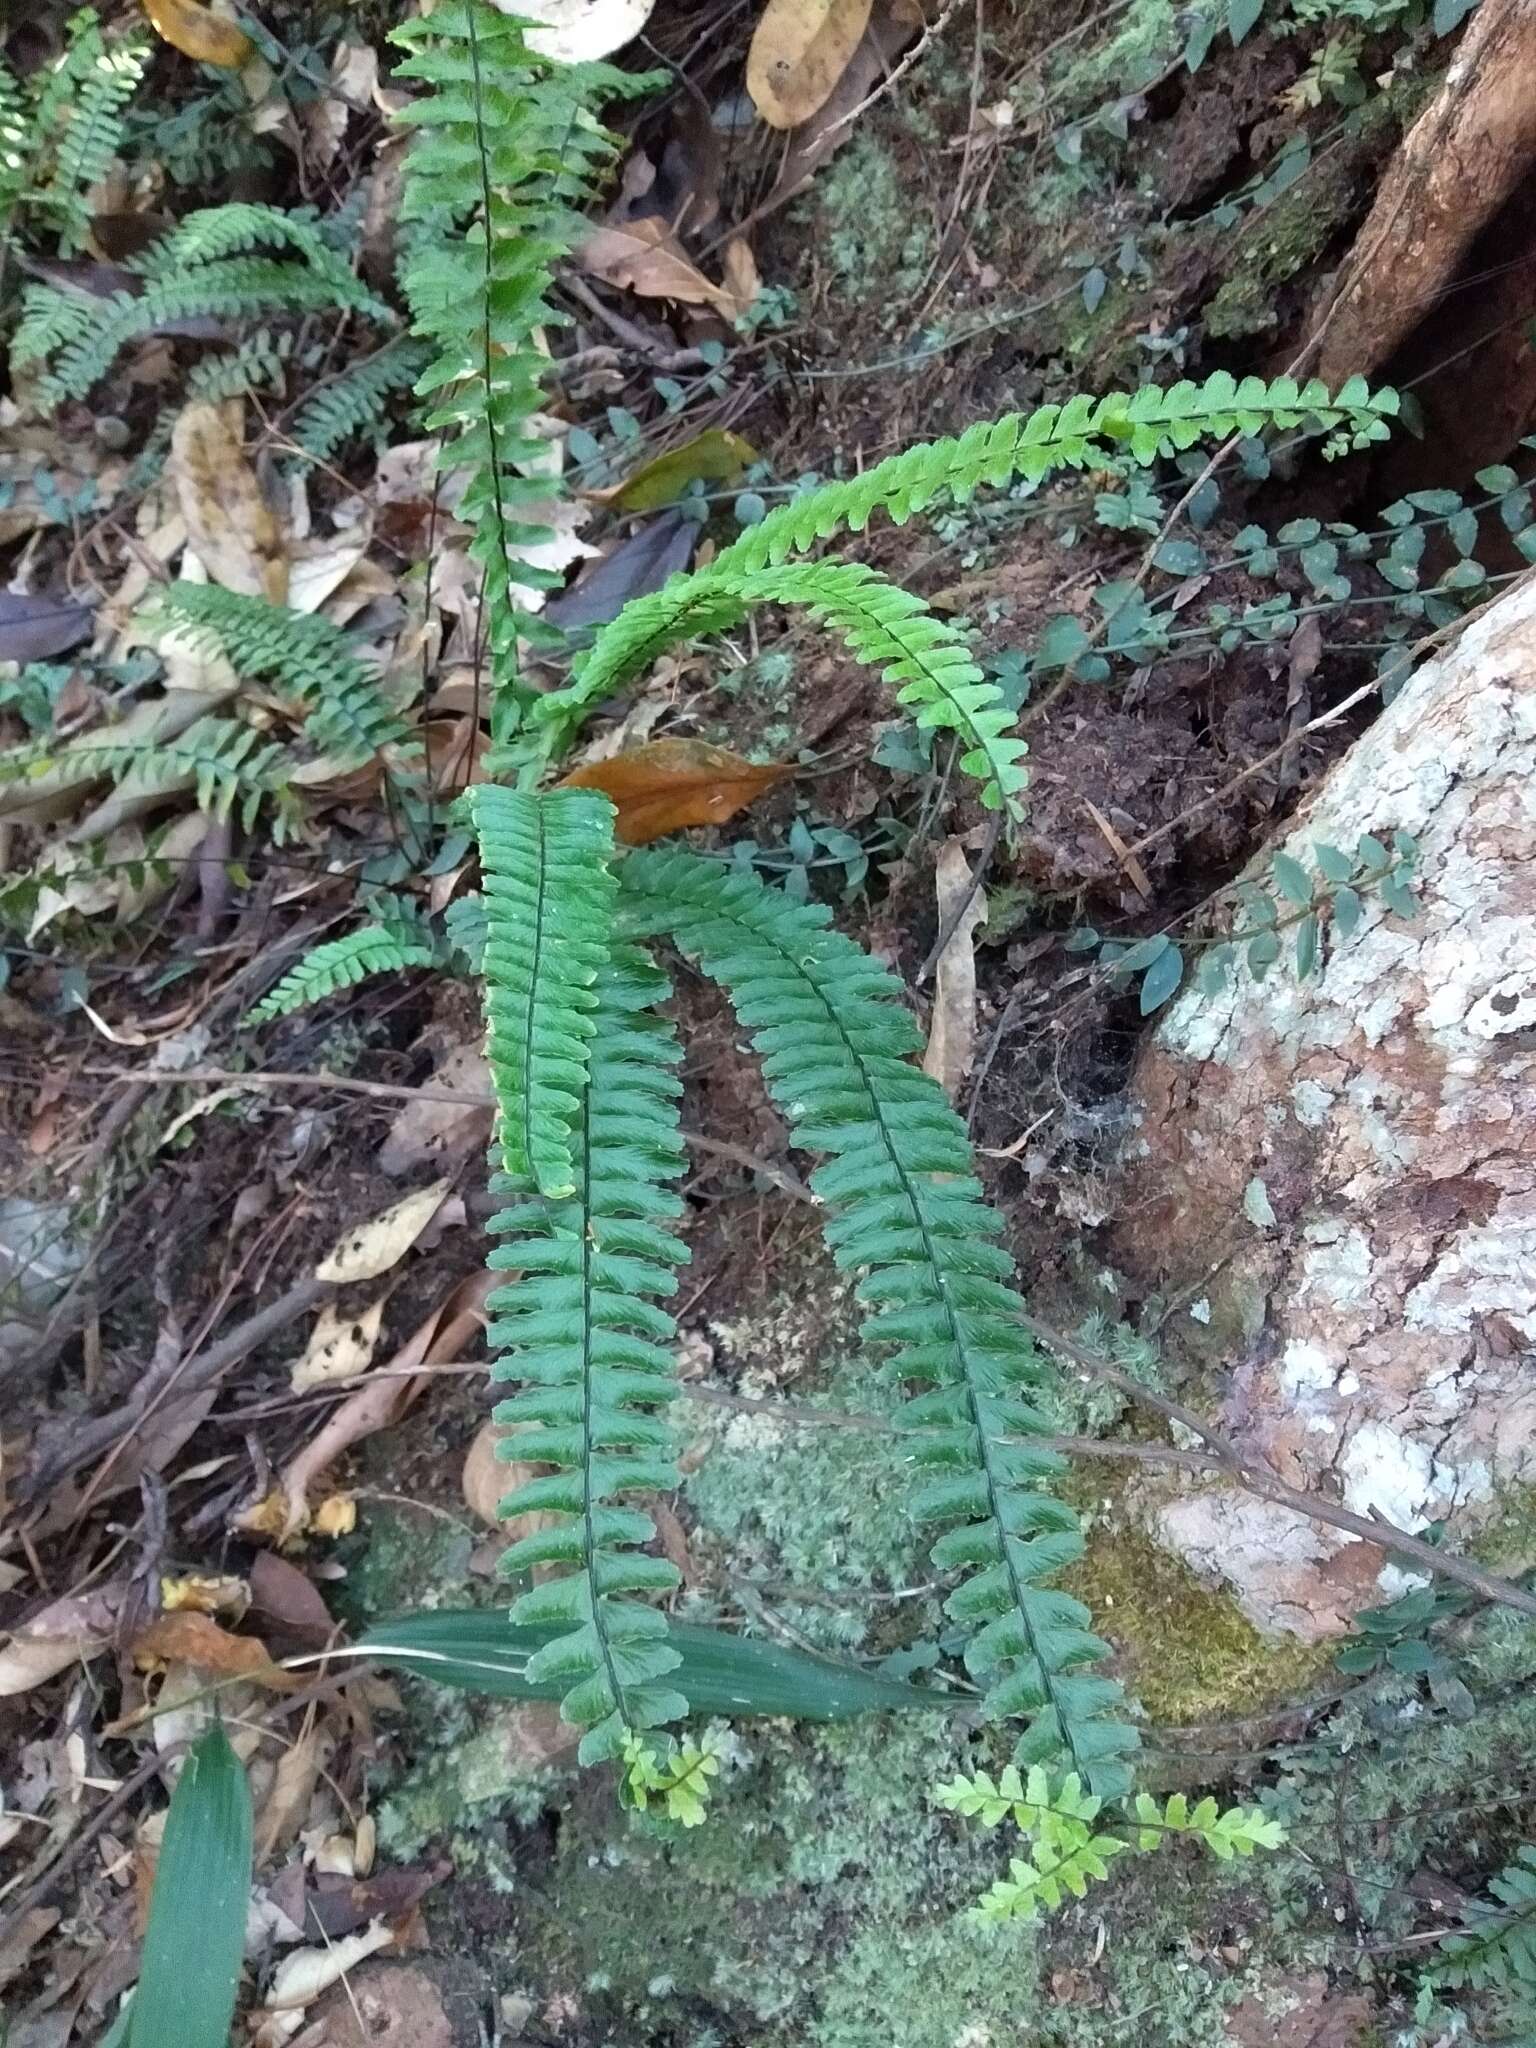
point(1143, 424)
point(583, 1329)
point(225, 763)
point(260, 363)
point(302, 656)
point(548, 895)
point(353, 403)
point(1498, 1948)
point(380, 948)
point(505, 144)
point(906, 1208)
point(78, 126)
point(15, 142)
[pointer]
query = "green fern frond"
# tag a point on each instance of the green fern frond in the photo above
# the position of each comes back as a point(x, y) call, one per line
point(505, 146)
point(466, 925)
point(1498, 1948)
point(548, 896)
point(260, 363)
point(354, 403)
point(15, 143)
point(227, 765)
point(906, 1209)
point(1144, 424)
point(583, 1329)
point(300, 655)
point(76, 127)
point(380, 948)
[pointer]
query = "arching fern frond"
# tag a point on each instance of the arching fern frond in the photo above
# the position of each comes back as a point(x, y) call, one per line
point(302, 656)
point(226, 764)
point(384, 947)
point(548, 898)
point(1498, 1946)
point(1146, 424)
point(354, 403)
point(907, 1211)
point(582, 1328)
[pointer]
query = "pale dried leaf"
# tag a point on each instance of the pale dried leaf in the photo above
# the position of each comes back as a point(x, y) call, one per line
point(286, 1807)
point(952, 1030)
point(645, 257)
point(580, 31)
point(230, 526)
point(800, 49)
point(430, 1131)
point(60, 1634)
point(300, 1978)
point(340, 1347)
point(372, 1248)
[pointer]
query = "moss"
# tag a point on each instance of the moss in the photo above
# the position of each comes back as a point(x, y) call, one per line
point(875, 247)
point(399, 1557)
point(472, 1770)
point(1189, 1653)
point(1507, 1543)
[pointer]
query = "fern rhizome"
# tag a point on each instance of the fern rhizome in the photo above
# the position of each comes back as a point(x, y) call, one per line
point(584, 1057)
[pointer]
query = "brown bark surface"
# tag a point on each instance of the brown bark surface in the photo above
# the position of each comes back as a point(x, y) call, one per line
point(1342, 1172)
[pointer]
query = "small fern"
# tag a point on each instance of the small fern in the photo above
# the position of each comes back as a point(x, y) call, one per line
point(302, 656)
point(1498, 1949)
point(385, 946)
point(205, 267)
point(886, 625)
point(584, 1331)
point(354, 403)
point(58, 139)
point(226, 764)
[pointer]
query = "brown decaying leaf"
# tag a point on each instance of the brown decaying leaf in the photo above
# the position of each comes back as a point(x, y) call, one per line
point(800, 49)
point(952, 1032)
point(78, 1625)
point(230, 526)
point(196, 1639)
point(644, 256)
point(199, 33)
point(669, 784)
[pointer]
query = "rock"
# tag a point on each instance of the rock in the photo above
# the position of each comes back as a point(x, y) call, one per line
point(1343, 1168)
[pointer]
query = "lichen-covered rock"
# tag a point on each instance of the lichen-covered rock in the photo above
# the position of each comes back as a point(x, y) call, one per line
point(1346, 1165)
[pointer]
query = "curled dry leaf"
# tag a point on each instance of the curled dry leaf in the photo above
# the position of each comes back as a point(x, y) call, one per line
point(286, 1807)
point(800, 49)
point(668, 784)
point(301, 1977)
point(230, 526)
point(340, 1347)
point(372, 1248)
point(645, 257)
point(197, 1640)
point(57, 1636)
point(199, 33)
point(952, 1032)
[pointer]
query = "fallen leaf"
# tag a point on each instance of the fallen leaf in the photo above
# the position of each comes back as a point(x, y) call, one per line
point(372, 1248)
point(319, 567)
point(199, 33)
point(301, 1977)
point(644, 256)
point(668, 784)
point(952, 1031)
point(743, 282)
point(340, 1347)
point(60, 1634)
point(642, 563)
point(35, 628)
point(196, 1594)
point(718, 456)
point(892, 26)
point(428, 1129)
point(196, 1639)
point(489, 1478)
point(286, 1806)
point(230, 526)
point(286, 1603)
point(799, 50)
point(579, 31)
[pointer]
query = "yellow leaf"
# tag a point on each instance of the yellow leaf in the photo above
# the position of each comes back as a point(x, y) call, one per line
point(371, 1248)
point(199, 1595)
point(800, 49)
point(668, 784)
point(230, 526)
point(340, 1346)
point(718, 456)
point(335, 1516)
point(198, 32)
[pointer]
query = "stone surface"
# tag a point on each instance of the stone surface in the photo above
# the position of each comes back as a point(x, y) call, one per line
point(1345, 1167)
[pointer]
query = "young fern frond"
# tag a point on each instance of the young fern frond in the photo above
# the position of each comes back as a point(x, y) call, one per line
point(888, 625)
point(505, 147)
point(548, 900)
point(227, 765)
point(905, 1209)
point(77, 127)
point(583, 1329)
point(379, 948)
point(354, 403)
point(302, 656)
point(1498, 1946)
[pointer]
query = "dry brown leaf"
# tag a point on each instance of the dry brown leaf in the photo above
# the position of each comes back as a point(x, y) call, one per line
point(340, 1347)
point(57, 1636)
point(800, 49)
point(230, 526)
point(668, 784)
point(644, 256)
point(743, 281)
point(431, 1131)
point(952, 1031)
point(286, 1807)
point(892, 26)
point(199, 33)
point(371, 1248)
point(580, 31)
point(489, 1478)
point(196, 1639)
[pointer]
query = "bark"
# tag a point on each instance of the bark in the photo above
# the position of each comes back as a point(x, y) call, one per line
point(1458, 164)
point(1344, 1168)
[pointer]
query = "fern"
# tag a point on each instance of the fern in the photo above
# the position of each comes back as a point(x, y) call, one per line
point(303, 656)
point(260, 363)
point(15, 143)
point(384, 947)
point(906, 1209)
point(76, 128)
point(226, 764)
point(583, 1330)
point(548, 899)
point(505, 148)
point(353, 404)
point(885, 624)
point(204, 268)
point(1498, 1949)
